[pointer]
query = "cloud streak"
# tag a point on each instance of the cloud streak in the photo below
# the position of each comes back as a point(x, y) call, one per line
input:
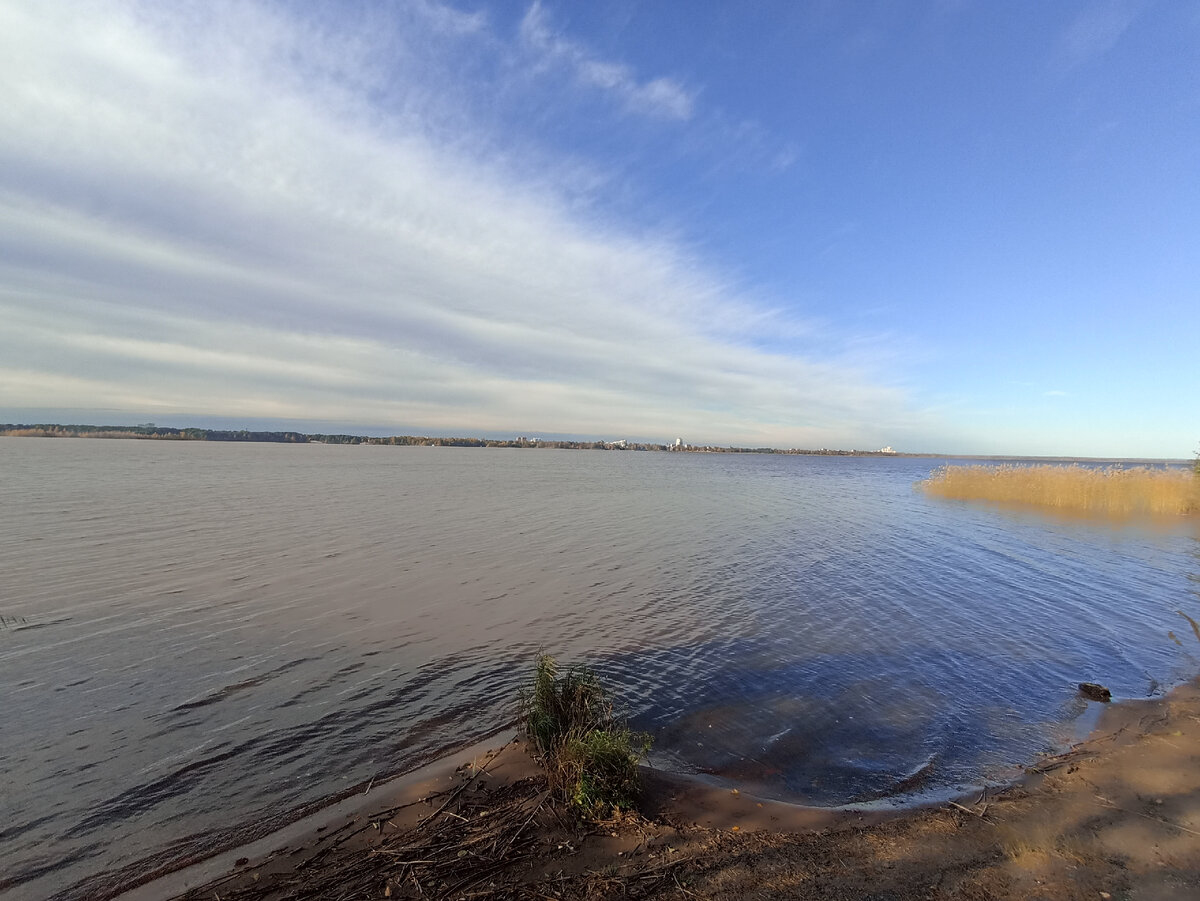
point(1094, 32)
point(194, 224)
point(660, 97)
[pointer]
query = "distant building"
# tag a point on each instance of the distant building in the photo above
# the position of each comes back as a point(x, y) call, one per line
point(886, 450)
point(678, 442)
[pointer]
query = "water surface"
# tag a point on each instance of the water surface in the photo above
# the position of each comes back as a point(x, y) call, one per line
point(200, 638)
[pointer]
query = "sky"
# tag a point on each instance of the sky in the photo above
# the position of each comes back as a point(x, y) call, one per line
point(942, 225)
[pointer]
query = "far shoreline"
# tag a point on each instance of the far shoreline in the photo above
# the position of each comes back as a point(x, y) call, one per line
point(152, 432)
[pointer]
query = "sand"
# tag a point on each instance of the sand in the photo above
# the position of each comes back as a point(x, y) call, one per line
point(1117, 817)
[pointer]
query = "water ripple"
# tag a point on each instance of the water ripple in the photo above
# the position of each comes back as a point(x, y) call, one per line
point(196, 639)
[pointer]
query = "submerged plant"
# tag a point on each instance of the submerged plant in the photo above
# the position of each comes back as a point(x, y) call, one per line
point(591, 756)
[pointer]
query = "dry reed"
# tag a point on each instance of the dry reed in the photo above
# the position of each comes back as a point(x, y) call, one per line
point(1113, 490)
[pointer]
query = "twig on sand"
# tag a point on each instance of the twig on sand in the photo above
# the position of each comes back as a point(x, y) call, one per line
point(517, 834)
point(679, 885)
point(1150, 818)
point(973, 812)
point(465, 785)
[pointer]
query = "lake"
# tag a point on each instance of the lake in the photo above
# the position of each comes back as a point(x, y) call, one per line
point(200, 639)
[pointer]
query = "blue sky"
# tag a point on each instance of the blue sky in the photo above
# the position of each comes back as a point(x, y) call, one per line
point(945, 226)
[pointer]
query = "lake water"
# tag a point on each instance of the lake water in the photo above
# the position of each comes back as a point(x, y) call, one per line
point(202, 638)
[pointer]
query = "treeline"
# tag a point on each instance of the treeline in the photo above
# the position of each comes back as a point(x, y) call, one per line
point(44, 430)
point(151, 431)
point(165, 433)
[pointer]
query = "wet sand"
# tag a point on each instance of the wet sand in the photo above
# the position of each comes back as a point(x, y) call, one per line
point(1118, 816)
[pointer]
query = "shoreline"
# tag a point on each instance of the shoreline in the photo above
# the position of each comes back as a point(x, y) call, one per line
point(151, 432)
point(420, 782)
point(1117, 811)
point(677, 795)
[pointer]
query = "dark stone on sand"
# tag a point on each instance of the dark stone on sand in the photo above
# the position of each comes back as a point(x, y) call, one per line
point(1094, 692)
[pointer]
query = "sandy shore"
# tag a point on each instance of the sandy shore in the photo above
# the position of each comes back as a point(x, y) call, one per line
point(1116, 817)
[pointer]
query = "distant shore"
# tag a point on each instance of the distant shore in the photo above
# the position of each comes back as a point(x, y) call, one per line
point(1117, 816)
point(150, 431)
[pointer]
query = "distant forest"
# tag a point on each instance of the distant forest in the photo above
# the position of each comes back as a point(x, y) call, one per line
point(151, 431)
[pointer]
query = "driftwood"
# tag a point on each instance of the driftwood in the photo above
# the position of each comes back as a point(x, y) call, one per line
point(479, 842)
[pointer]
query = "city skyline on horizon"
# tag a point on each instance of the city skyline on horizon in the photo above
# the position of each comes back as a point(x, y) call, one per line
point(373, 432)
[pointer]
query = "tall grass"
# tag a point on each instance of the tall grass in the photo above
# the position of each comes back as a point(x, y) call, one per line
point(1110, 490)
point(590, 754)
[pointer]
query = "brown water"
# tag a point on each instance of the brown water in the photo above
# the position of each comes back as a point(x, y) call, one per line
point(198, 639)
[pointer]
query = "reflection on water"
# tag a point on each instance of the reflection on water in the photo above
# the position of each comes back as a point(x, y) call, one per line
point(197, 639)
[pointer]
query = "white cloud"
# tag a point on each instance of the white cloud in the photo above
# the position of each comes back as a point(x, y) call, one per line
point(660, 97)
point(189, 223)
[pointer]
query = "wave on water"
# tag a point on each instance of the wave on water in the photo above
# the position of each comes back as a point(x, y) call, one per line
point(193, 653)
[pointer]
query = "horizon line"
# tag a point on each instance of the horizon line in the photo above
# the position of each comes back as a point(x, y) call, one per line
point(150, 431)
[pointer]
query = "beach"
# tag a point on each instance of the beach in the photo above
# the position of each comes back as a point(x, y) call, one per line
point(1116, 816)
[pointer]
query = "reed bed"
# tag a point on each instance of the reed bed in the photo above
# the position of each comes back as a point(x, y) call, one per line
point(1112, 490)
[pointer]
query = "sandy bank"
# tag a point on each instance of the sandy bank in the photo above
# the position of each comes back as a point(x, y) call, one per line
point(1116, 817)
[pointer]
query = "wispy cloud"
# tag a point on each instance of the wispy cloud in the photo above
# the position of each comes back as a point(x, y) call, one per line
point(1095, 31)
point(198, 224)
point(661, 97)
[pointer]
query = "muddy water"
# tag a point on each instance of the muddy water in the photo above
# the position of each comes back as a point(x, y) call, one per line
point(198, 639)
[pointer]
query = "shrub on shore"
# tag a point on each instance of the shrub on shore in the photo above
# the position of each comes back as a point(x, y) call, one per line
point(1112, 490)
point(591, 756)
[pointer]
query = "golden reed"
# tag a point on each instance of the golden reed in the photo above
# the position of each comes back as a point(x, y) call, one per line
point(1113, 490)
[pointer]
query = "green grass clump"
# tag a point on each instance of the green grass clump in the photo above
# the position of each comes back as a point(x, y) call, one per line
point(591, 756)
